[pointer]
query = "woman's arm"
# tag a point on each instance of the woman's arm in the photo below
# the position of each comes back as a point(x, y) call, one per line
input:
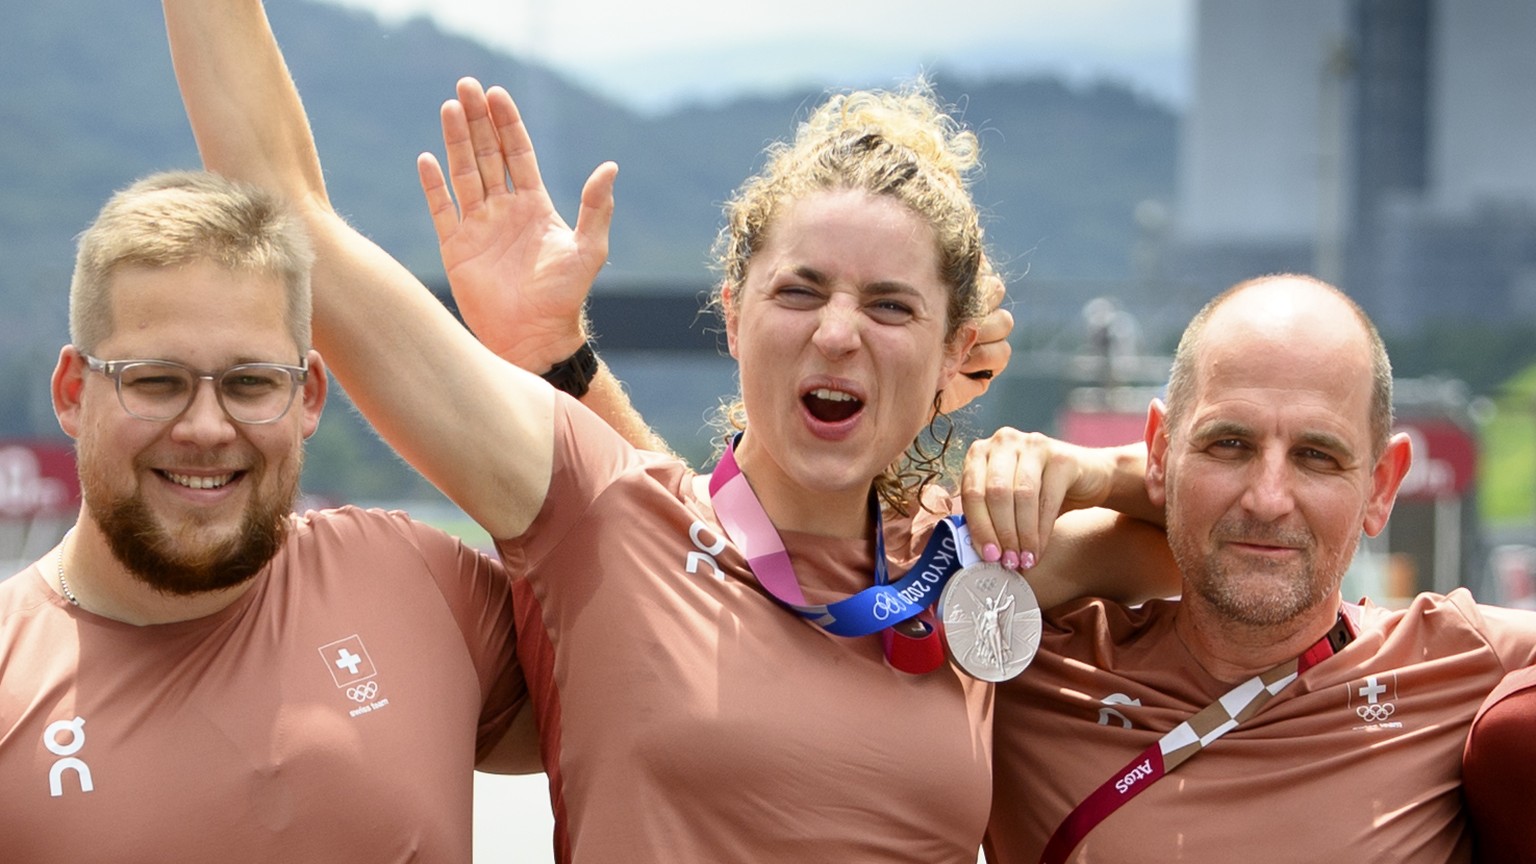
point(478, 428)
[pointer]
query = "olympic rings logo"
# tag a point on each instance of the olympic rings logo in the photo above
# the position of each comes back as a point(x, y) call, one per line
point(886, 605)
point(363, 693)
point(1375, 713)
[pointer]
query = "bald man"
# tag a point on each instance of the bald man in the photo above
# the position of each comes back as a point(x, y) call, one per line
point(1326, 731)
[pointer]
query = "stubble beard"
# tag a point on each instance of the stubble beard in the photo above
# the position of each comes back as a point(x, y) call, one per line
point(1255, 593)
point(177, 563)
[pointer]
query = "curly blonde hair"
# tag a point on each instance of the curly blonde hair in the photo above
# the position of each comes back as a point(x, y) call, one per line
point(900, 143)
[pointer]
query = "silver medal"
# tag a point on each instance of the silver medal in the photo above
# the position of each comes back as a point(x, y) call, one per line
point(991, 621)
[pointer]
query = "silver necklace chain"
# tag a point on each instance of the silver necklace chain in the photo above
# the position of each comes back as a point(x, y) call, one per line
point(63, 585)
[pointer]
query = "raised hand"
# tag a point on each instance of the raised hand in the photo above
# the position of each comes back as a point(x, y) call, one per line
point(519, 273)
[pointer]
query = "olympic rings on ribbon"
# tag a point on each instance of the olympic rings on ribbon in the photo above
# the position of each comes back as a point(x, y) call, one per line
point(886, 606)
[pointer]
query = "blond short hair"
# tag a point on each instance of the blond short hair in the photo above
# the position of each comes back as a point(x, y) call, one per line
point(181, 217)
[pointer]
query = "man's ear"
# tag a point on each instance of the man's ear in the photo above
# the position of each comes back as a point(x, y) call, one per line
point(66, 385)
point(1386, 477)
point(1157, 453)
point(313, 393)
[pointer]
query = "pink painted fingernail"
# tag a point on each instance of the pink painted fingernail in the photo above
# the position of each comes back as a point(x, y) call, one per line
point(1026, 561)
point(1011, 560)
point(990, 552)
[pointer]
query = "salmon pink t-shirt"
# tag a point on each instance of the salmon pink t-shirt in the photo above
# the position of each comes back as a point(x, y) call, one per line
point(332, 713)
point(686, 716)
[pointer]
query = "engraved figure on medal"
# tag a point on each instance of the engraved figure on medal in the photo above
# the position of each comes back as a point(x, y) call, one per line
point(991, 621)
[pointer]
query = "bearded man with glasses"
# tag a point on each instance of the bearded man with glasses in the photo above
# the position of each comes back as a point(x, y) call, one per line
point(195, 672)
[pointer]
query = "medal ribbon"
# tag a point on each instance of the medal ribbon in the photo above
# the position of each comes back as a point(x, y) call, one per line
point(1185, 740)
point(914, 646)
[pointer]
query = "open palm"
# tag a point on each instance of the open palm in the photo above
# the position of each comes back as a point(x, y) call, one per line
point(519, 274)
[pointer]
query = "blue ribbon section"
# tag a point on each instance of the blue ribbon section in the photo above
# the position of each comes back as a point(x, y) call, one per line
point(886, 604)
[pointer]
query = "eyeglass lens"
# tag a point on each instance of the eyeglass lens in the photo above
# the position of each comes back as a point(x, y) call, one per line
point(250, 393)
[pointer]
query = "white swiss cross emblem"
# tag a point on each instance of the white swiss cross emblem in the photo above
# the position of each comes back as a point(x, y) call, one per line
point(1374, 697)
point(347, 661)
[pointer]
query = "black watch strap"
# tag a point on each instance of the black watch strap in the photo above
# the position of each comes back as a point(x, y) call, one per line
point(574, 374)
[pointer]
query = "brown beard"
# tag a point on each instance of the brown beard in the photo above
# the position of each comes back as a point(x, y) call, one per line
point(153, 557)
point(160, 559)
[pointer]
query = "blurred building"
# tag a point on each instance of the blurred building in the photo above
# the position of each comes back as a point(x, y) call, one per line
point(1380, 144)
point(39, 499)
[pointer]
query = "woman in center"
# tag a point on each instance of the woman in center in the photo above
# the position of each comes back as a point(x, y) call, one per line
point(686, 710)
point(685, 713)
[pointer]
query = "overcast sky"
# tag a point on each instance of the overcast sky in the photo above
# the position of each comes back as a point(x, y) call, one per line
point(654, 54)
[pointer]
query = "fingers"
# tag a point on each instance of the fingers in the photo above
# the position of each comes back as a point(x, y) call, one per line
point(974, 503)
point(517, 152)
point(992, 290)
point(1016, 484)
point(487, 144)
point(986, 359)
point(1057, 476)
point(994, 327)
point(1018, 480)
point(483, 138)
point(596, 214)
point(1012, 489)
point(998, 489)
point(991, 351)
point(463, 172)
point(445, 217)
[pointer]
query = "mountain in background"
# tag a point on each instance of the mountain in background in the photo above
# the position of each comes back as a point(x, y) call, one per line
point(88, 103)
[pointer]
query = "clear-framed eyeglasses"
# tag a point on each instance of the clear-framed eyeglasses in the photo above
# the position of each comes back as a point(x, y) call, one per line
point(162, 390)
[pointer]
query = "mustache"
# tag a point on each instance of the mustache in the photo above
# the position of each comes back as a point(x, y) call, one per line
point(1261, 533)
point(190, 462)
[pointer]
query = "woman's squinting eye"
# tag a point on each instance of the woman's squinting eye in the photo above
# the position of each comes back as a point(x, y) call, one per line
point(797, 295)
point(891, 311)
